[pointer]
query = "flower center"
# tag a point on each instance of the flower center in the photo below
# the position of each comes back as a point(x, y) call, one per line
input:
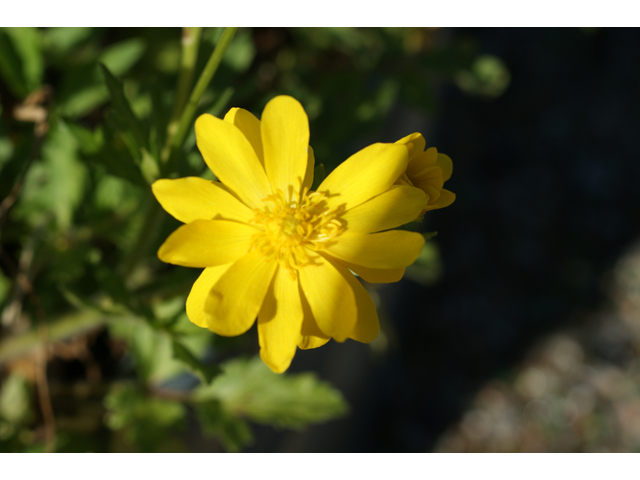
point(294, 227)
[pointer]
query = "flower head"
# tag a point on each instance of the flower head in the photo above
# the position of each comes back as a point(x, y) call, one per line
point(427, 170)
point(275, 250)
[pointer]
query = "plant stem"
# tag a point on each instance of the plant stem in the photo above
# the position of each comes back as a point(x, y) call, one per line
point(190, 45)
point(186, 120)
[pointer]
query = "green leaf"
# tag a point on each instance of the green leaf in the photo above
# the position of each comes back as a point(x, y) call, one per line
point(149, 167)
point(61, 40)
point(89, 142)
point(143, 420)
point(5, 287)
point(206, 372)
point(56, 184)
point(27, 44)
point(11, 67)
point(151, 349)
point(248, 388)
point(427, 268)
point(122, 109)
point(14, 399)
point(233, 432)
point(120, 57)
point(488, 76)
point(83, 100)
point(240, 52)
point(6, 149)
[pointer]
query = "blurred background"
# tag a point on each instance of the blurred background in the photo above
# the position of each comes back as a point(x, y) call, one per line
point(518, 328)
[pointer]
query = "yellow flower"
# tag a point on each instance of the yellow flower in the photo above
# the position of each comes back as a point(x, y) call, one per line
point(272, 249)
point(427, 170)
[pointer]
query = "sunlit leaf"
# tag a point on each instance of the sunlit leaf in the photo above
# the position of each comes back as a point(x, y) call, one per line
point(249, 388)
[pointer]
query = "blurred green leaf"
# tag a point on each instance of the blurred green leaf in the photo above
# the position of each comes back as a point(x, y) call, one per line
point(115, 194)
point(249, 388)
point(56, 184)
point(6, 150)
point(124, 114)
point(149, 167)
point(83, 100)
point(82, 89)
point(27, 44)
point(427, 268)
point(143, 420)
point(5, 286)
point(120, 57)
point(11, 66)
point(240, 52)
point(14, 399)
point(89, 142)
point(60, 40)
point(206, 372)
point(233, 432)
point(488, 76)
point(151, 349)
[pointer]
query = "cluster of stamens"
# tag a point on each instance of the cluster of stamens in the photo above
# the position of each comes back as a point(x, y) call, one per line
point(294, 225)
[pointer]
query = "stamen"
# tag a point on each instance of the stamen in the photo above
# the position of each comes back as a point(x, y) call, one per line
point(294, 226)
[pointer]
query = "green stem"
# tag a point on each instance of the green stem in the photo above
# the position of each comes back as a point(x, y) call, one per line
point(186, 120)
point(190, 45)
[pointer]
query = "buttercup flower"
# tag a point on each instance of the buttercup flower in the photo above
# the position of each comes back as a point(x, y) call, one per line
point(275, 250)
point(427, 170)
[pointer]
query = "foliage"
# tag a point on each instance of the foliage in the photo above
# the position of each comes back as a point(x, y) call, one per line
point(88, 121)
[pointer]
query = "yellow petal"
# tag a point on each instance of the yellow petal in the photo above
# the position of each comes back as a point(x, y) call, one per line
point(415, 142)
point(311, 335)
point(367, 325)
point(395, 207)
point(311, 165)
point(249, 125)
point(235, 300)
point(330, 298)
point(207, 243)
point(376, 275)
point(393, 249)
point(231, 157)
point(193, 198)
point(280, 322)
point(419, 163)
point(446, 198)
point(285, 138)
point(364, 175)
point(200, 291)
point(445, 163)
